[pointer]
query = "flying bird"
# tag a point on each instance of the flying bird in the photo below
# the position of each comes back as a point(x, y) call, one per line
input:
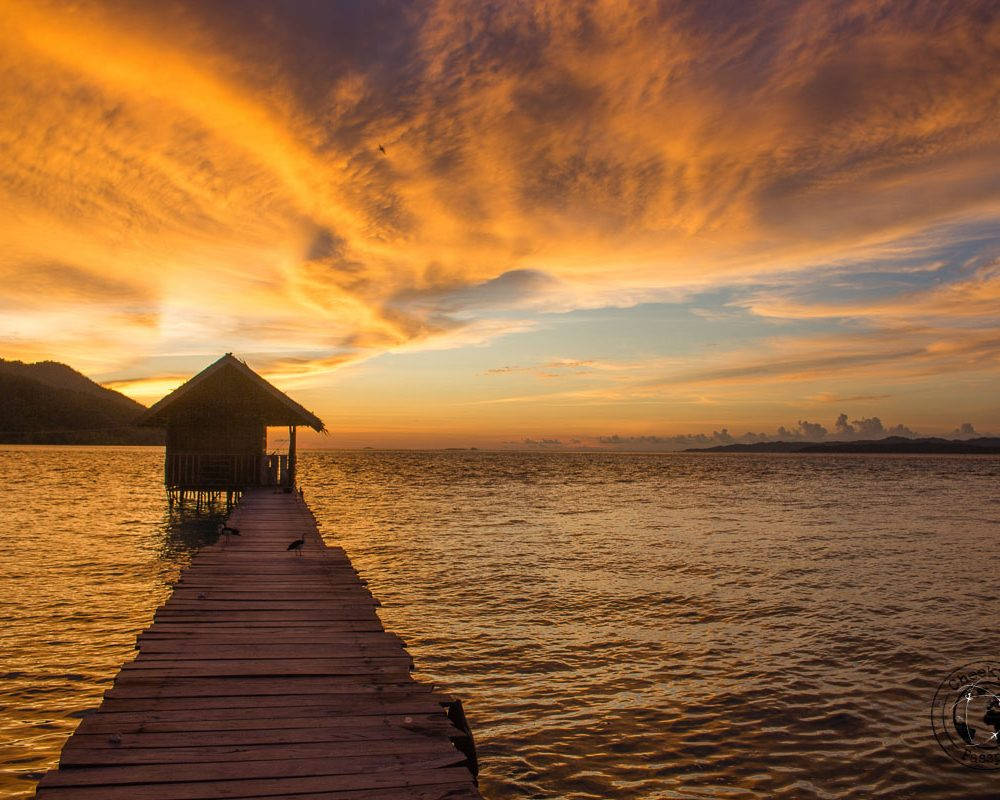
point(382, 150)
point(296, 546)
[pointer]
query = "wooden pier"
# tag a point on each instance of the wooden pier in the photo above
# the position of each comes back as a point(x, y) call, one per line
point(267, 674)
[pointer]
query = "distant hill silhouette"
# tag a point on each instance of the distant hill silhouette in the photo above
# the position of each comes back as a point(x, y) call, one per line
point(890, 444)
point(51, 403)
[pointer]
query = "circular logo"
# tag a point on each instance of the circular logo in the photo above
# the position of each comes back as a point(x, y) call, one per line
point(965, 715)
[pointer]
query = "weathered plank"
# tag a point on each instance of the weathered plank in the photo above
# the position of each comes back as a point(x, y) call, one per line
point(131, 686)
point(215, 649)
point(126, 741)
point(84, 757)
point(210, 790)
point(246, 770)
point(423, 792)
point(242, 719)
point(266, 667)
point(384, 703)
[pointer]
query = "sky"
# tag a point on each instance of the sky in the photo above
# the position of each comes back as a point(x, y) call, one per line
point(515, 223)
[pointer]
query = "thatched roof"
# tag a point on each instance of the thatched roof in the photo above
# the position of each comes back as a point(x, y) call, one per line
point(229, 388)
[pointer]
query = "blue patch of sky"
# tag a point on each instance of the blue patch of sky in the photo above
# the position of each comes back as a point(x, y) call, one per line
point(934, 258)
point(622, 335)
point(917, 264)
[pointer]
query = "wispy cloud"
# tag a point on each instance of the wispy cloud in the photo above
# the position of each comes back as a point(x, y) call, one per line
point(561, 368)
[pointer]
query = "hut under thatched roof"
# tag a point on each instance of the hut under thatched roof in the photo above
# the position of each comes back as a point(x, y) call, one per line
point(216, 427)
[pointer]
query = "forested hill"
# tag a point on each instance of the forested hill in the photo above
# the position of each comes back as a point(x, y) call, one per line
point(51, 403)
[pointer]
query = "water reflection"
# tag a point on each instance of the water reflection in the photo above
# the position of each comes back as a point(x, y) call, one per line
point(186, 528)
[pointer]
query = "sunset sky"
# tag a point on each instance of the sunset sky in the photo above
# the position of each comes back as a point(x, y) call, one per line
point(590, 219)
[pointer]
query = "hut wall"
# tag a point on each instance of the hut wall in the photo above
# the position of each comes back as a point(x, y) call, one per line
point(221, 453)
point(224, 436)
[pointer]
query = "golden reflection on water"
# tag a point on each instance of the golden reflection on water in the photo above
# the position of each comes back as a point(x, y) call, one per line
point(617, 626)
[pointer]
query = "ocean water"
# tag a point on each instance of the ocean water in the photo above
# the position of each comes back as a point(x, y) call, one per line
point(618, 626)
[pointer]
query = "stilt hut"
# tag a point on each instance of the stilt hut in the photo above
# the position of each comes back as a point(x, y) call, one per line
point(217, 431)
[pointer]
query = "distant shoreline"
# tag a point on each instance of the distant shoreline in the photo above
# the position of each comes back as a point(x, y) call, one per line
point(890, 445)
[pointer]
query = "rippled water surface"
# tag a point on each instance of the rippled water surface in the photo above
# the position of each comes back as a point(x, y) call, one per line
point(618, 626)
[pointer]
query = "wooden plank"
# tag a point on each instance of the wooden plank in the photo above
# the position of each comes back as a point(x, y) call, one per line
point(275, 617)
point(210, 790)
point(279, 618)
point(222, 634)
point(247, 770)
point(165, 642)
point(263, 712)
point(276, 636)
point(77, 757)
point(257, 604)
point(110, 724)
point(153, 651)
point(226, 622)
point(268, 594)
point(439, 792)
point(127, 686)
point(125, 741)
point(267, 667)
point(382, 703)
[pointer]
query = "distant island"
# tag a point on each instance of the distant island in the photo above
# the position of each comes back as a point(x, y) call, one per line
point(890, 444)
point(51, 403)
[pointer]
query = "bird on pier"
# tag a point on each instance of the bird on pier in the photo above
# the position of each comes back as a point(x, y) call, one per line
point(227, 530)
point(296, 546)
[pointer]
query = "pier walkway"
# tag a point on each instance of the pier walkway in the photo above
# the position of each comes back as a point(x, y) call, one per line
point(267, 674)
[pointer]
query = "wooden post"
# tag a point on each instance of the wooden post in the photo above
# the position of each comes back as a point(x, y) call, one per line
point(291, 457)
point(262, 459)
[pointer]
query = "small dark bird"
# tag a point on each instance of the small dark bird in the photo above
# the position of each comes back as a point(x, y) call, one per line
point(382, 150)
point(296, 546)
point(226, 531)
